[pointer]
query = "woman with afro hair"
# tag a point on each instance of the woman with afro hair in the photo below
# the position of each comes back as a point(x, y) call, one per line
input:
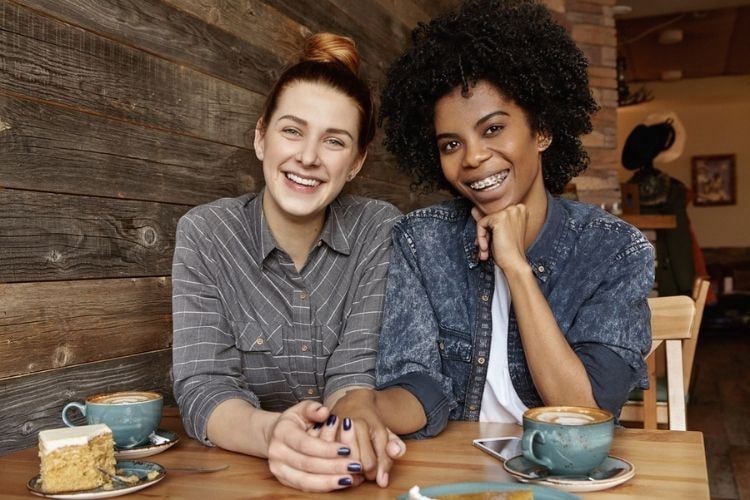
point(505, 298)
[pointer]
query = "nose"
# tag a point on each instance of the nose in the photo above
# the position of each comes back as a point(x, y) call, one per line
point(476, 154)
point(308, 153)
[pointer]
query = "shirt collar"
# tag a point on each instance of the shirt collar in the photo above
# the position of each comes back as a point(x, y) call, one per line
point(336, 233)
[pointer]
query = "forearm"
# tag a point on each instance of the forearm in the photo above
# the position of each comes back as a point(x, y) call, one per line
point(395, 407)
point(236, 425)
point(558, 374)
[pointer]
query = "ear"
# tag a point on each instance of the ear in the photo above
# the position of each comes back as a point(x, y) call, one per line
point(356, 167)
point(543, 140)
point(260, 132)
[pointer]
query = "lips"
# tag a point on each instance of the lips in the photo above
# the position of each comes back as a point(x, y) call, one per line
point(302, 181)
point(490, 181)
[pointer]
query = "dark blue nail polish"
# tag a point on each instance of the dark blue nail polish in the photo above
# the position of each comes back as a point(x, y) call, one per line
point(331, 420)
point(318, 426)
point(354, 467)
point(344, 451)
point(347, 423)
point(345, 481)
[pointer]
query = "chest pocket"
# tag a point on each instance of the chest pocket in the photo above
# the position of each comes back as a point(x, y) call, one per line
point(252, 337)
point(455, 354)
point(454, 345)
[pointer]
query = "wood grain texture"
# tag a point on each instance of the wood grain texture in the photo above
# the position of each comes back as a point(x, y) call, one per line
point(157, 28)
point(58, 237)
point(667, 464)
point(34, 402)
point(46, 59)
point(48, 148)
point(252, 21)
point(66, 323)
point(379, 38)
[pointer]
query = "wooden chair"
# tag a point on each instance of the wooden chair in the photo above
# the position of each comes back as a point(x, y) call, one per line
point(675, 322)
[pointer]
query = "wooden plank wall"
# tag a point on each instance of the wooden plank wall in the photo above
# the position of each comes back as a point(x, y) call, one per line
point(116, 117)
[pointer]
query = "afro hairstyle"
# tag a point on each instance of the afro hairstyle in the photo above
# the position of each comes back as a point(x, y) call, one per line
point(517, 46)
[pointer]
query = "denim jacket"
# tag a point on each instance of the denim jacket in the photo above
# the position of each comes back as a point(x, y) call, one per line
point(594, 269)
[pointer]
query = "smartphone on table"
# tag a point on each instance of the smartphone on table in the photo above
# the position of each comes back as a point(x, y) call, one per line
point(502, 448)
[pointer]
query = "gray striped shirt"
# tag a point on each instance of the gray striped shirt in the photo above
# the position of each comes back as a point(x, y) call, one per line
point(248, 325)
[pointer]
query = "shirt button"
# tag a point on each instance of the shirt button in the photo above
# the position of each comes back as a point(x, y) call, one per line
point(319, 243)
point(441, 345)
point(485, 298)
point(480, 360)
point(259, 341)
point(540, 269)
point(473, 407)
point(304, 348)
point(302, 295)
point(311, 391)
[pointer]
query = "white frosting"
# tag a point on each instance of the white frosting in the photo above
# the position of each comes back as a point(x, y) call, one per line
point(414, 494)
point(52, 439)
point(565, 418)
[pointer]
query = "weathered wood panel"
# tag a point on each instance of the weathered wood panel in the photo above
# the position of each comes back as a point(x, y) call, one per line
point(67, 323)
point(58, 237)
point(34, 402)
point(48, 148)
point(399, 195)
point(252, 21)
point(378, 40)
point(162, 30)
point(47, 59)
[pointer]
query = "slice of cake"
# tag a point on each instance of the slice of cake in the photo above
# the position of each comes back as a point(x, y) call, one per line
point(73, 456)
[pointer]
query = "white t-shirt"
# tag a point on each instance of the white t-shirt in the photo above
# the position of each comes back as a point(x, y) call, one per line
point(500, 402)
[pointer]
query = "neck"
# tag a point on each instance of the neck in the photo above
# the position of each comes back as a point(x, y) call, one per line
point(295, 235)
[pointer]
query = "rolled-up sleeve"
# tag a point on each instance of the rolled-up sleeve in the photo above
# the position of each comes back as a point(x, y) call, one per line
point(612, 331)
point(408, 355)
point(206, 363)
point(352, 363)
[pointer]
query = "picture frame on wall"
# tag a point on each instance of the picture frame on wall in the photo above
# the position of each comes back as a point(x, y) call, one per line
point(714, 180)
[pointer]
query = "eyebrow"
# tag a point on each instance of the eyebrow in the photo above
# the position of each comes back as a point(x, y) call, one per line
point(299, 120)
point(478, 123)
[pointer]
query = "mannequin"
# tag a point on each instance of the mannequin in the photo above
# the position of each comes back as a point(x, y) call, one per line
point(662, 194)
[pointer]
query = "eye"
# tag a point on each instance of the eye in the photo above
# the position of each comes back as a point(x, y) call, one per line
point(493, 130)
point(335, 142)
point(449, 146)
point(291, 131)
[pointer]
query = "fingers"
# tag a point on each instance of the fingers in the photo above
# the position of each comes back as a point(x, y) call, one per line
point(381, 440)
point(306, 481)
point(348, 437)
point(396, 447)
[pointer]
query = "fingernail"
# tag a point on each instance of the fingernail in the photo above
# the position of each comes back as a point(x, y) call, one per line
point(385, 478)
point(318, 426)
point(344, 451)
point(345, 481)
point(354, 467)
point(331, 420)
point(347, 423)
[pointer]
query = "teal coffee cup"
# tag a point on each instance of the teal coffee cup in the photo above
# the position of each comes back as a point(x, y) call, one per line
point(570, 440)
point(132, 415)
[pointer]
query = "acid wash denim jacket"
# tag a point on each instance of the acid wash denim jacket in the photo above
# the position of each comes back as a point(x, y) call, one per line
point(594, 269)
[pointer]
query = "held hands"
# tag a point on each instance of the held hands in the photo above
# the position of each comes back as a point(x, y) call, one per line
point(377, 445)
point(303, 452)
point(502, 235)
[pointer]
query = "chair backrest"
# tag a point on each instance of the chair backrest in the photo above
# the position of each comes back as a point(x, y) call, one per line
point(700, 292)
point(671, 322)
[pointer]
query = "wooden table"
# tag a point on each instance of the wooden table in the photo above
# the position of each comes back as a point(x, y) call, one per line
point(668, 464)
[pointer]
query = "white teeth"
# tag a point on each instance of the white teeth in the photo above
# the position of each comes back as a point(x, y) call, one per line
point(302, 180)
point(490, 181)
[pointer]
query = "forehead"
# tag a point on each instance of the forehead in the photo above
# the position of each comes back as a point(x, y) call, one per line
point(319, 105)
point(482, 99)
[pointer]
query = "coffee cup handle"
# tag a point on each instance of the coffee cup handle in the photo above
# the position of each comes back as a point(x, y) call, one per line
point(527, 445)
point(81, 408)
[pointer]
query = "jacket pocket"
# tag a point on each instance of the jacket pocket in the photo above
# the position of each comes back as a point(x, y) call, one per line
point(455, 353)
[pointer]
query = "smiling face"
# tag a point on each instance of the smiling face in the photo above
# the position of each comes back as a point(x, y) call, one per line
point(308, 149)
point(487, 150)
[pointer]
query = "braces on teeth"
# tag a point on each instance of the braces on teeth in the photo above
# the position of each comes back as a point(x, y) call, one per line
point(489, 181)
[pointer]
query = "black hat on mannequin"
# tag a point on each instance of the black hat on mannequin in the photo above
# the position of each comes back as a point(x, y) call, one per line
point(660, 138)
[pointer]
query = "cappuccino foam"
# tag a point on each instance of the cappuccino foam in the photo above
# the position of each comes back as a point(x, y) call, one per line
point(565, 418)
point(124, 398)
